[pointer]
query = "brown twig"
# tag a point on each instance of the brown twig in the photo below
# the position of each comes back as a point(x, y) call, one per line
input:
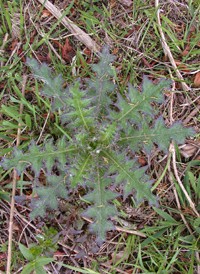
point(3, 46)
point(192, 205)
point(43, 128)
point(171, 119)
point(130, 231)
point(177, 200)
point(12, 206)
point(192, 114)
point(182, 216)
point(167, 50)
point(75, 30)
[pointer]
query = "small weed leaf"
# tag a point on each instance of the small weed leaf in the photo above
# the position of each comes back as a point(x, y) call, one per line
point(102, 128)
point(26, 252)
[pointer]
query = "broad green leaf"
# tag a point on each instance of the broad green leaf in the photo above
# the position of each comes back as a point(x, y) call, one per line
point(28, 269)
point(26, 252)
point(40, 262)
point(40, 270)
point(37, 266)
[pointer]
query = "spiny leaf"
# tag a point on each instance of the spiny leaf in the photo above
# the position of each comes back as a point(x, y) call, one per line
point(101, 209)
point(145, 137)
point(132, 177)
point(79, 110)
point(102, 69)
point(107, 133)
point(16, 161)
point(140, 102)
point(41, 71)
point(79, 171)
point(101, 86)
point(48, 195)
point(163, 135)
point(53, 86)
point(101, 223)
point(39, 157)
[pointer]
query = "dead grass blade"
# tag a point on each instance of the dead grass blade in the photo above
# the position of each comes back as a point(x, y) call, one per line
point(75, 30)
point(167, 50)
point(12, 206)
